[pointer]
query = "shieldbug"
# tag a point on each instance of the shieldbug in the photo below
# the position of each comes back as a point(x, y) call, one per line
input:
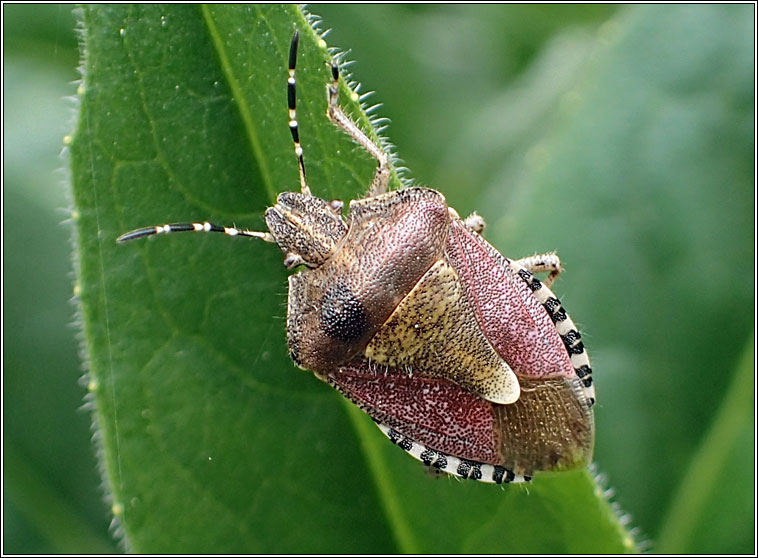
point(461, 356)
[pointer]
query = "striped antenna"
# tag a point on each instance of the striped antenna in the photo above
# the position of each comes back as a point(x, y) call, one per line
point(292, 103)
point(193, 227)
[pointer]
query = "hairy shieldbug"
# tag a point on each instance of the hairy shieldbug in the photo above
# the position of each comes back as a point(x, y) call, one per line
point(461, 356)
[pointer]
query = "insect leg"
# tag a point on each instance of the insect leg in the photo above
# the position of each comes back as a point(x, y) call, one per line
point(543, 262)
point(382, 176)
point(475, 223)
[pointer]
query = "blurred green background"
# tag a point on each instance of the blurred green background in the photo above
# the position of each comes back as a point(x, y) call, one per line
point(471, 92)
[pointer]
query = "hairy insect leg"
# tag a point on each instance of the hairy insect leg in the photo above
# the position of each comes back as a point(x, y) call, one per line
point(474, 223)
point(543, 263)
point(382, 175)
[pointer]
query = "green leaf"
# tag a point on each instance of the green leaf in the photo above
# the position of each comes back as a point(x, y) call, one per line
point(211, 440)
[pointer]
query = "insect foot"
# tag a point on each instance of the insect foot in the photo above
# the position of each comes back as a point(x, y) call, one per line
point(463, 357)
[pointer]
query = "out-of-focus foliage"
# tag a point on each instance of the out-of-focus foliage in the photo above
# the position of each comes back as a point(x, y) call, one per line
point(51, 485)
point(620, 137)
